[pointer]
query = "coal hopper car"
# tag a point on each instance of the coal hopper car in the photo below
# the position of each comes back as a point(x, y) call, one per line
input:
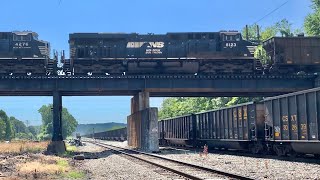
point(293, 123)
point(114, 135)
point(293, 54)
point(238, 127)
point(184, 53)
point(178, 131)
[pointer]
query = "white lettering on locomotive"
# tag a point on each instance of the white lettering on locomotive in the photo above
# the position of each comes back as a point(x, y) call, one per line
point(150, 44)
point(231, 45)
point(21, 45)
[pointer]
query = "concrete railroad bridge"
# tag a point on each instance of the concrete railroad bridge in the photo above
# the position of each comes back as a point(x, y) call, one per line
point(142, 123)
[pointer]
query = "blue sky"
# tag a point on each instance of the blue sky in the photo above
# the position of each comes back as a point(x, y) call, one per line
point(55, 19)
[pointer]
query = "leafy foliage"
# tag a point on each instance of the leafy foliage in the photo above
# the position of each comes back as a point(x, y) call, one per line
point(69, 123)
point(312, 21)
point(6, 130)
point(281, 28)
point(172, 107)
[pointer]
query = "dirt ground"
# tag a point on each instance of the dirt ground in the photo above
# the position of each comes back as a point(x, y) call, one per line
point(27, 160)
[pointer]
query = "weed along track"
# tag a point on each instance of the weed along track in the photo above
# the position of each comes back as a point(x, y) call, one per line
point(170, 167)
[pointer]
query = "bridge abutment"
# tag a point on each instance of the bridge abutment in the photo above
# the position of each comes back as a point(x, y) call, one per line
point(57, 145)
point(143, 123)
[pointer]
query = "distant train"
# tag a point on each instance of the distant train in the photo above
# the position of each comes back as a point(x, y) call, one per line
point(113, 135)
point(224, 52)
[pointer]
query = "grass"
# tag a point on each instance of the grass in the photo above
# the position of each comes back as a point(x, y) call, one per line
point(23, 147)
point(50, 165)
point(75, 175)
point(70, 151)
point(44, 164)
point(70, 148)
point(62, 163)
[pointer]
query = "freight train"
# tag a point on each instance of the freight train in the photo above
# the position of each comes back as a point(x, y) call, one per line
point(286, 125)
point(113, 135)
point(224, 52)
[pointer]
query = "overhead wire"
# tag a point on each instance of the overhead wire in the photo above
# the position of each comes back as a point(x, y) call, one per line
point(274, 10)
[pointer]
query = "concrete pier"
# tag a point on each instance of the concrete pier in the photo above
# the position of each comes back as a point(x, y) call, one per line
point(143, 124)
point(57, 145)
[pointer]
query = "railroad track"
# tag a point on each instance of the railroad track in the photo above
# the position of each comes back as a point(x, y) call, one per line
point(183, 169)
point(165, 76)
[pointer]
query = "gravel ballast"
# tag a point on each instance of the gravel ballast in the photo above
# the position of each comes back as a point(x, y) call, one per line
point(112, 166)
point(254, 167)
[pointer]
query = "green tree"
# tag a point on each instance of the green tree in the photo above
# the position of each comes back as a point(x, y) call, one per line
point(18, 126)
point(283, 28)
point(2, 128)
point(69, 123)
point(173, 107)
point(252, 32)
point(33, 130)
point(312, 21)
point(6, 130)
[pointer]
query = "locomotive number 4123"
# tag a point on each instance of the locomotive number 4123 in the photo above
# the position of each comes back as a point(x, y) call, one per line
point(231, 45)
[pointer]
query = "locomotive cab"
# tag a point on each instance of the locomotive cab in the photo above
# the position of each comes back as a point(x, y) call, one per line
point(21, 44)
point(232, 43)
point(21, 52)
point(230, 40)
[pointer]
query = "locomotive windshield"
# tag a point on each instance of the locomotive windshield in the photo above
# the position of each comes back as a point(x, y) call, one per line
point(22, 36)
point(231, 37)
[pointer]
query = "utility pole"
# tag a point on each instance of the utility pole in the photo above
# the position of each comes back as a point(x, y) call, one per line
point(92, 133)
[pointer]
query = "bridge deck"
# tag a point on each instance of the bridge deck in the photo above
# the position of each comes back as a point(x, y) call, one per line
point(157, 85)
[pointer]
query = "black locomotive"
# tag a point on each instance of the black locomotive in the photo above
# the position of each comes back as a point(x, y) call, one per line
point(24, 53)
point(222, 52)
point(184, 53)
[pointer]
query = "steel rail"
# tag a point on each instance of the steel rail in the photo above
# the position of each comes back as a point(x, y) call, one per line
point(210, 170)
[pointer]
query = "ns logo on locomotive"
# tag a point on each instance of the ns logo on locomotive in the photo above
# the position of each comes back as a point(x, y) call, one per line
point(224, 52)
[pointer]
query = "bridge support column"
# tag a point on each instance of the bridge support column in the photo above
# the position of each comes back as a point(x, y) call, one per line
point(143, 124)
point(57, 145)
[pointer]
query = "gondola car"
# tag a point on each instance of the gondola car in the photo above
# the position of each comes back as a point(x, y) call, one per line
point(292, 55)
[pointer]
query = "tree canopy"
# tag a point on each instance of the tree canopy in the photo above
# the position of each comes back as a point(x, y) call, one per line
point(6, 130)
point(312, 21)
point(69, 123)
point(172, 107)
point(281, 28)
